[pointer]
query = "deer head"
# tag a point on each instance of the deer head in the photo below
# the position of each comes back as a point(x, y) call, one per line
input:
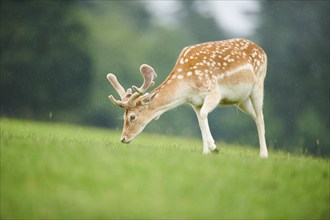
point(135, 104)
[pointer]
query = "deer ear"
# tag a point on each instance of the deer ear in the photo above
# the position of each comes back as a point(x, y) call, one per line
point(146, 99)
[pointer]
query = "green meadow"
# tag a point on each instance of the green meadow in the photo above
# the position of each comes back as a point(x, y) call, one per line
point(60, 171)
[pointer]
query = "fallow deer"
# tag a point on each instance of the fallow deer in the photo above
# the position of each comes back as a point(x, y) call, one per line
point(205, 75)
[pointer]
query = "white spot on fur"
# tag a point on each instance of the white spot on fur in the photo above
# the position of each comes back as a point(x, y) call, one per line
point(221, 76)
point(185, 53)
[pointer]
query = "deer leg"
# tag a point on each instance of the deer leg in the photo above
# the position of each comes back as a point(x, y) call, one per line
point(257, 103)
point(247, 108)
point(210, 103)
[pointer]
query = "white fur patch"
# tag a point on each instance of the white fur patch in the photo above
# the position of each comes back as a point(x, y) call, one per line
point(239, 69)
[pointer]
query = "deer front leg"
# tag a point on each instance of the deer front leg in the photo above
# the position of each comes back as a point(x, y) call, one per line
point(208, 141)
point(210, 103)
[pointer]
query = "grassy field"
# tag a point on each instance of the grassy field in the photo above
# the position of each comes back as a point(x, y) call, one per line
point(59, 171)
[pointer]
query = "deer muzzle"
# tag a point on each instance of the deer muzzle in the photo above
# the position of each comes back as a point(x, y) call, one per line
point(124, 140)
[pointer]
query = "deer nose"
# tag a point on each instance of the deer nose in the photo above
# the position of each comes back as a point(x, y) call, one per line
point(123, 140)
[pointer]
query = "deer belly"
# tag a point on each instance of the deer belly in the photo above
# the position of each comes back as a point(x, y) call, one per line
point(233, 94)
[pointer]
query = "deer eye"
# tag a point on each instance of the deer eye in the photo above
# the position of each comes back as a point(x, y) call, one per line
point(132, 117)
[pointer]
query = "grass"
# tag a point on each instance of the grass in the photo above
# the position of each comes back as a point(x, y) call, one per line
point(57, 171)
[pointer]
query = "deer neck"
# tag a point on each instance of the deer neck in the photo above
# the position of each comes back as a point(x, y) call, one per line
point(168, 96)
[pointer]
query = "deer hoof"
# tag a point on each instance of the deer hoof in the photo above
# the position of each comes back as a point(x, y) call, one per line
point(215, 151)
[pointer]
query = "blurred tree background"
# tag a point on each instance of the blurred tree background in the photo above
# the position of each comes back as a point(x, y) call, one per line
point(55, 56)
point(45, 66)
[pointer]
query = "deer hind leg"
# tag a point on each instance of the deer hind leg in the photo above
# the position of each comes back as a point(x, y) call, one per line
point(210, 102)
point(257, 103)
point(248, 108)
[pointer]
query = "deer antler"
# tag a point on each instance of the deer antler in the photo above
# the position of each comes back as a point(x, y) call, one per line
point(149, 75)
point(121, 91)
point(128, 98)
point(114, 82)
